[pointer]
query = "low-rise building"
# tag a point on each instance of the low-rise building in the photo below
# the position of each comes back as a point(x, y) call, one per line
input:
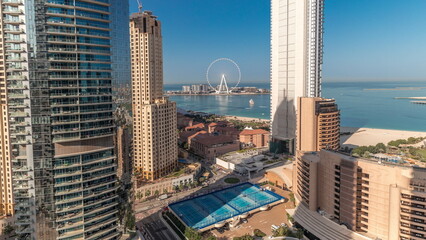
point(209, 146)
point(245, 161)
point(254, 137)
point(145, 190)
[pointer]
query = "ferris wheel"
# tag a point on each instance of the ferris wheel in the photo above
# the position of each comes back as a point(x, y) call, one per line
point(223, 86)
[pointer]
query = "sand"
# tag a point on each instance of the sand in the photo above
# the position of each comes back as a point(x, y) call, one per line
point(372, 136)
point(358, 136)
point(246, 119)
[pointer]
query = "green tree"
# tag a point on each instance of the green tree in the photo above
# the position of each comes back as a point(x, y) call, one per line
point(282, 231)
point(381, 147)
point(147, 193)
point(192, 234)
point(396, 143)
point(292, 199)
point(130, 221)
point(290, 218)
point(165, 190)
point(299, 233)
point(181, 186)
point(156, 193)
point(8, 229)
point(366, 154)
point(139, 195)
point(245, 237)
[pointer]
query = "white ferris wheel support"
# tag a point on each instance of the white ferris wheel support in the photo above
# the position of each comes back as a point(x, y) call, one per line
point(223, 83)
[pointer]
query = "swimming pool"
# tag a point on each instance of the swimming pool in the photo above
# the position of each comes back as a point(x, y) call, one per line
point(211, 208)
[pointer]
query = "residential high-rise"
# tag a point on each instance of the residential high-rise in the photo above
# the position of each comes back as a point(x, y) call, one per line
point(296, 59)
point(372, 198)
point(318, 124)
point(58, 169)
point(154, 116)
point(120, 41)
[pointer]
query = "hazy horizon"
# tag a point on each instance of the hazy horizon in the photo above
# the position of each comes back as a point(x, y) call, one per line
point(363, 40)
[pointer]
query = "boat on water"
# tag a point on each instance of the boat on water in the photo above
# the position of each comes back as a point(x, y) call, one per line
point(251, 102)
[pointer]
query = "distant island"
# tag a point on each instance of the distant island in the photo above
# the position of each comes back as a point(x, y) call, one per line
point(394, 89)
point(204, 89)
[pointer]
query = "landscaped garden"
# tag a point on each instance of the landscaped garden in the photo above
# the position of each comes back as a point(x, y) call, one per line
point(232, 180)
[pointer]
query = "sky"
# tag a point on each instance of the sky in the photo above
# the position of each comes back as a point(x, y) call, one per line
point(364, 40)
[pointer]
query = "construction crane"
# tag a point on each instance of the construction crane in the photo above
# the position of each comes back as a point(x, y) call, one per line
point(139, 6)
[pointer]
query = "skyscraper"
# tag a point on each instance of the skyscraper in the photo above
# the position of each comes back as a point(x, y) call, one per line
point(58, 167)
point(120, 41)
point(154, 116)
point(296, 58)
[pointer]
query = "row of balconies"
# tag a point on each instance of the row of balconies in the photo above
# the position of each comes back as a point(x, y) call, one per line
point(12, 2)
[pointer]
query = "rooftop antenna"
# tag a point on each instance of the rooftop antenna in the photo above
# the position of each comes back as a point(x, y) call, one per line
point(139, 6)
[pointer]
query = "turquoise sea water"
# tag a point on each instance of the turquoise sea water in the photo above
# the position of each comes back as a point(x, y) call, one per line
point(359, 107)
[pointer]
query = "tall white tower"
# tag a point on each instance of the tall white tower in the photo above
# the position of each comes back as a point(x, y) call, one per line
point(296, 59)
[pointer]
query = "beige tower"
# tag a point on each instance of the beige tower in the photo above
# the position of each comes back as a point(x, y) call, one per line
point(318, 124)
point(6, 192)
point(154, 116)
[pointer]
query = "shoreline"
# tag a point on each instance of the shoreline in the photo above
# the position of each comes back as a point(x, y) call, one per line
point(212, 94)
point(358, 136)
point(361, 136)
point(245, 119)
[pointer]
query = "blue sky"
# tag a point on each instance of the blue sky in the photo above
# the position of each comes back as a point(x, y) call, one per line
point(365, 40)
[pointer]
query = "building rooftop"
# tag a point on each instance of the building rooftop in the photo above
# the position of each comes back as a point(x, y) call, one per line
point(384, 159)
point(212, 139)
point(253, 131)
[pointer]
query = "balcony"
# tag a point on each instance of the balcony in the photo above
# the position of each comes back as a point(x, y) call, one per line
point(13, 11)
point(12, 2)
point(16, 68)
point(16, 77)
point(16, 59)
point(69, 208)
point(21, 169)
point(14, 30)
point(13, 21)
point(99, 224)
point(71, 234)
point(111, 235)
point(70, 182)
point(103, 207)
point(68, 191)
point(69, 224)
point(68, 174)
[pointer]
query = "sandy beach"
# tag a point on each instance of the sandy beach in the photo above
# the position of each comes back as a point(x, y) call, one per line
point(358, 136)
point(246, 119)
point(372, 136)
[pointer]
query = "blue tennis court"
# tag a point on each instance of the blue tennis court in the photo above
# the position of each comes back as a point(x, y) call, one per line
point(208, 209)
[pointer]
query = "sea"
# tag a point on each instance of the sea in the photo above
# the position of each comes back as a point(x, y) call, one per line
point(362, 104)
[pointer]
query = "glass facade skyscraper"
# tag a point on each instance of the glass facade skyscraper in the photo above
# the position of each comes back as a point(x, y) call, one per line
point(120, 41)
point(296, 60)
point(58, 166)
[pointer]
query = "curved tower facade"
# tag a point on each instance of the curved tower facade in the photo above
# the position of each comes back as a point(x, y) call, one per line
point(56, 96)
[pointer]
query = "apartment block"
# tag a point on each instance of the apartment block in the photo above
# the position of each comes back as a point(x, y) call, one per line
point(155, 148)
point(318, 124)
point(371, 198)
